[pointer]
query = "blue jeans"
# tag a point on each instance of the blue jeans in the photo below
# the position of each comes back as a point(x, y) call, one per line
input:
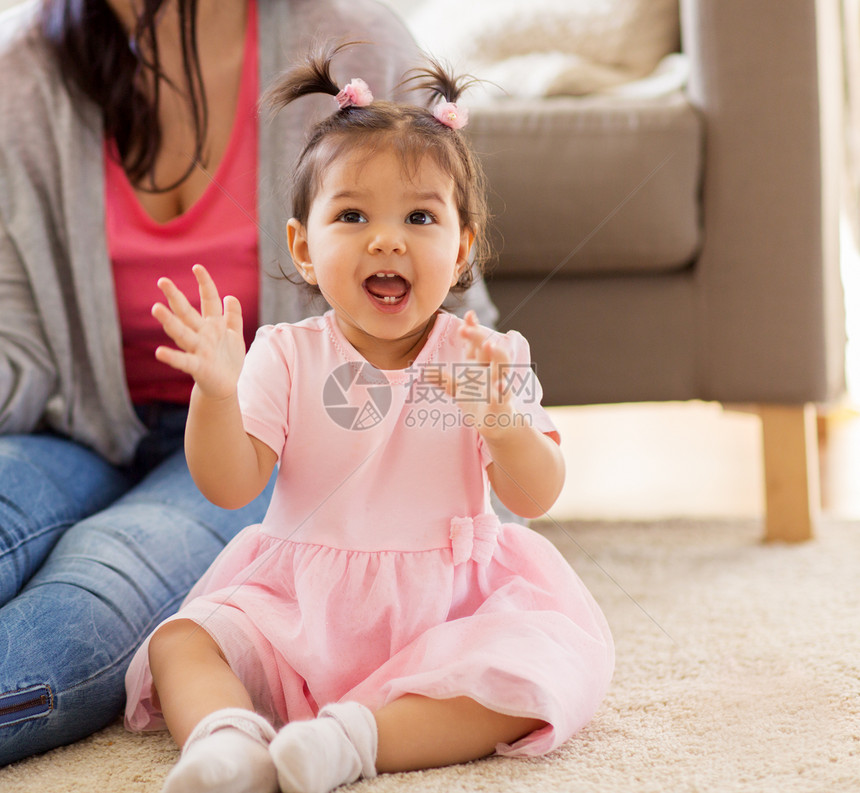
point(92, 558)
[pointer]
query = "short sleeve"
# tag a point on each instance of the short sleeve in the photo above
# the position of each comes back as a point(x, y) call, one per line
point(264, 386)
point(521, 380)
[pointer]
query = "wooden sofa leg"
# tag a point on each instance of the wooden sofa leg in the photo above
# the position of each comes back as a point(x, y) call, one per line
point(792, 498)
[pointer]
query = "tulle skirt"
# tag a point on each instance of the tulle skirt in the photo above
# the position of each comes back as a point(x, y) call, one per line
point(499, 616)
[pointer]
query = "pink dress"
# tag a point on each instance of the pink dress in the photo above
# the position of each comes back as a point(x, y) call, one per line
point(380, 568)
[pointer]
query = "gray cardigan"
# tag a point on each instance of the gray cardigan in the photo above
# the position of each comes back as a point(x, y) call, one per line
point(60, 348)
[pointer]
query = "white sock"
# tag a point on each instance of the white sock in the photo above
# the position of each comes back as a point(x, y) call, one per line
point(227, 752)
point(337, 747)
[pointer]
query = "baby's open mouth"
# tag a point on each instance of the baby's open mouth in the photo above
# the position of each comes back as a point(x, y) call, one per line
point(388, 288)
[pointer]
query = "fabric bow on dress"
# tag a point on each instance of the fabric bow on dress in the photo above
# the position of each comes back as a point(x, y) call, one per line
point(474, 538)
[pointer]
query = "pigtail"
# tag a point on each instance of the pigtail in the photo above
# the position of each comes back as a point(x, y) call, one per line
point(446, 89)
point(439, 81)
point(310, 76)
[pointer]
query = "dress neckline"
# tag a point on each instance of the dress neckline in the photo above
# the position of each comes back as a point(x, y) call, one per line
point(426, 354)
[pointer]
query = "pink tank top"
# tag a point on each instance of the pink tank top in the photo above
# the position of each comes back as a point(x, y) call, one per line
point(219, 231)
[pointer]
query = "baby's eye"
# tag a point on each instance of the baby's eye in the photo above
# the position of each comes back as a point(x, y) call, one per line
point(351, 216)
point(420, 218)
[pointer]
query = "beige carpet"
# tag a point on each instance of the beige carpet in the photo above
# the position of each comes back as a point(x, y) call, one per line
point(738, 670)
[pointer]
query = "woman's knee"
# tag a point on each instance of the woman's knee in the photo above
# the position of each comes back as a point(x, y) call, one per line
point(60, 470)
point(47, 484)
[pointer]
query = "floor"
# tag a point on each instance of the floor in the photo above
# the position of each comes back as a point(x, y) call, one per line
point(686, 460)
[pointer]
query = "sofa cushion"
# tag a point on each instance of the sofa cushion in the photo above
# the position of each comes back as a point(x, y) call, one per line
point(619, 193)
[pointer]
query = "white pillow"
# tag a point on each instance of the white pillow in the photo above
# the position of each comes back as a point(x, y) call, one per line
point(545, 47)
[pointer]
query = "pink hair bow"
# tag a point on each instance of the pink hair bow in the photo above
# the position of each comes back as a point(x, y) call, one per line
point(355, 93)
point(449, 114)
point(474, 538)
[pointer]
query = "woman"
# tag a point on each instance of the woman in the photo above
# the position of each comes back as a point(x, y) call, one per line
point(130, 148)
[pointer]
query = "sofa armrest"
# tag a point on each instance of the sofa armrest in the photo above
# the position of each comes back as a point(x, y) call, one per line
point(765, 77)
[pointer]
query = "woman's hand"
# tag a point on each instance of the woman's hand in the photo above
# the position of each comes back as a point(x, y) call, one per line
point(210, 341)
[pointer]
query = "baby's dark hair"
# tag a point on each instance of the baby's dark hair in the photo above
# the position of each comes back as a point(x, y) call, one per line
point(413, 131)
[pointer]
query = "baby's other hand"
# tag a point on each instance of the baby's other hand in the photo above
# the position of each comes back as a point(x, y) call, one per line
point(486, 359)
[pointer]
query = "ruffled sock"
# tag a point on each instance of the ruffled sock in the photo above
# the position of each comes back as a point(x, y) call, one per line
point(336, 748)
point(227, 752)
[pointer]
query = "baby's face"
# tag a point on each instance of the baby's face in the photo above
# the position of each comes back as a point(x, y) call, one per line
point(384, 244)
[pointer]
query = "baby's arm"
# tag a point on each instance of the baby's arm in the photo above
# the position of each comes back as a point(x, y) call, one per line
point(230, 466)
point(527, 471)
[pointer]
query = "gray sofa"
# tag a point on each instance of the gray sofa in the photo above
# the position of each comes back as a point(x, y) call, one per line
point(686, 247)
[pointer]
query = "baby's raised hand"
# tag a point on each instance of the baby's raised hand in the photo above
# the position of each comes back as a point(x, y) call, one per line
point(494, 409)
point(210, 341)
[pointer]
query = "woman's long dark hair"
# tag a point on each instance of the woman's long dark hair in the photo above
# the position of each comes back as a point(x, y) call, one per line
point(98, 59)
